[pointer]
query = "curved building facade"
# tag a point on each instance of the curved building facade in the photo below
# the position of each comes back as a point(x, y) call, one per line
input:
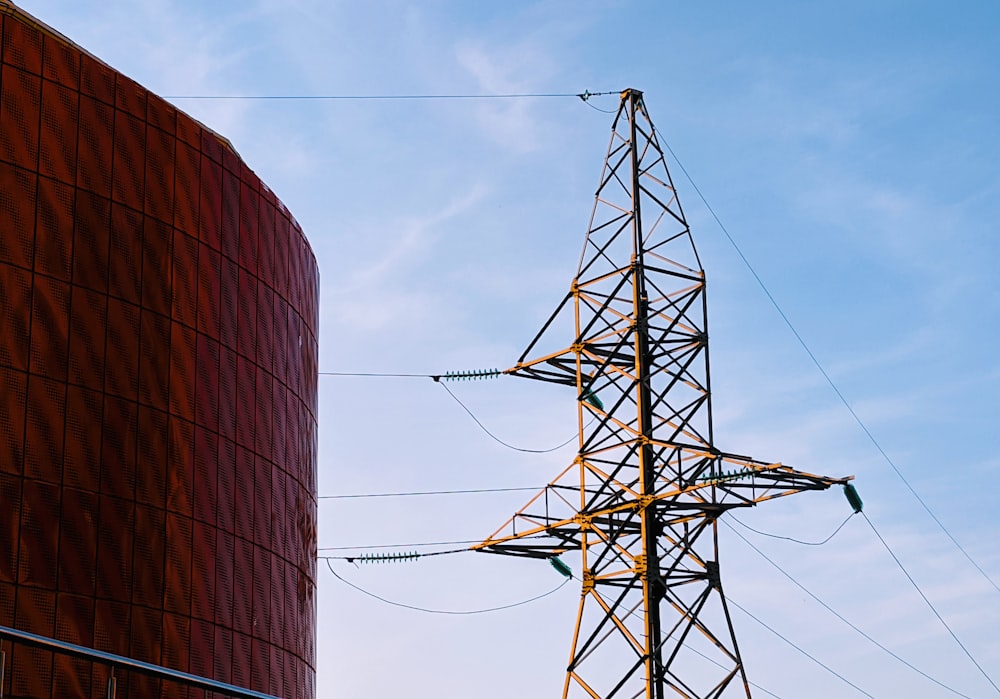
point(158, 349)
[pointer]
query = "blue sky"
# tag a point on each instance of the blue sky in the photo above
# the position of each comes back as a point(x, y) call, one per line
point(849, 148)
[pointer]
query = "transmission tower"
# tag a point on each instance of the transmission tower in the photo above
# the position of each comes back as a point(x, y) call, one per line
point(642, 499)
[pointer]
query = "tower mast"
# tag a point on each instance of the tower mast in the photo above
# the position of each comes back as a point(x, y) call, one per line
point(643, 496)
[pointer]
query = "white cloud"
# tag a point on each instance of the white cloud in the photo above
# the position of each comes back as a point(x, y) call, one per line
point(508, 69)
point(405, 244)
point(377, 294)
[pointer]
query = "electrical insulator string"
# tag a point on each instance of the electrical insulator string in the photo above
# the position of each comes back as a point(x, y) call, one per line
point(393, 557)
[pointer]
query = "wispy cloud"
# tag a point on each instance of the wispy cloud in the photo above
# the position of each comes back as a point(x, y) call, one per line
point(506, 69)
point(407, 242)
point(376, 294)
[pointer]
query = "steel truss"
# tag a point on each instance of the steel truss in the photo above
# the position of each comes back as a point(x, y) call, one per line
point(641, 500)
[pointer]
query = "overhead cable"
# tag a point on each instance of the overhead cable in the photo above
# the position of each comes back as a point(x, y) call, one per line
point(932, 607)
point(797, 541)
point(822, 370)
point(697, 652)
point(453, 612)
point(440, 379)
point(720, 665)
point(798, 648)
point(497, 439)
point(424, 492)
point(610, 111)
point(375, 374)
point(413, 545)
point(837, 614)
point(397, 546)
point(585, 96)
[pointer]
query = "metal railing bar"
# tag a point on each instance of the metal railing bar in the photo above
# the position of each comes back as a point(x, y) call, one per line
point(120, 662)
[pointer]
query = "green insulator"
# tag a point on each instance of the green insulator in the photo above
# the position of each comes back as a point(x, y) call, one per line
point(592, 398)
point(471, 375)
point(558, 564)
point(851, 493)
point(394, 557)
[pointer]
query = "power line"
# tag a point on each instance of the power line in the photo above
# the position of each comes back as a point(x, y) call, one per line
point(797, 541)
point(497, 439)
point(692, 649)
point(745, 540)
point(720, 665)
point(446, 611)
point(822, 370)
point(749, 543)
point(611, 111)
point(585, 96)
point(437, 378)
point(929, 604)
point(837, 614)
point(411, 545)
point(710, 659)
point(424, 492)
point(798, 648)
point(371, 374)
point(396, 546)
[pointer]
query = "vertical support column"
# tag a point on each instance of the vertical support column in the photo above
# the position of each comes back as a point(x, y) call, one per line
point(650, 571)
point(716, 581)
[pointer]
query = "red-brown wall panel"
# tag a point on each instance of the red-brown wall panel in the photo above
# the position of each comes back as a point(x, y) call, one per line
point(158, 430)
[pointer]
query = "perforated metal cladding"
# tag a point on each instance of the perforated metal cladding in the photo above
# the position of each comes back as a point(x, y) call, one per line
point(158, 389)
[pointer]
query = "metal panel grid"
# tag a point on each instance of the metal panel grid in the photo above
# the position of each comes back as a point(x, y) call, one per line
point(158, 377)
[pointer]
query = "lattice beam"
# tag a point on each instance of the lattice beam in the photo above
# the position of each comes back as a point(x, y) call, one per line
point(642, 499)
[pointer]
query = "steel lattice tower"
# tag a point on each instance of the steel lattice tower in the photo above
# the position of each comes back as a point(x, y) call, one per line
point(641, 500)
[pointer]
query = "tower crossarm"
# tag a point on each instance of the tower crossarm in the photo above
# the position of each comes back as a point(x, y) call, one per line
point(740, 482)
point(557, 367)
point(549, 525)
